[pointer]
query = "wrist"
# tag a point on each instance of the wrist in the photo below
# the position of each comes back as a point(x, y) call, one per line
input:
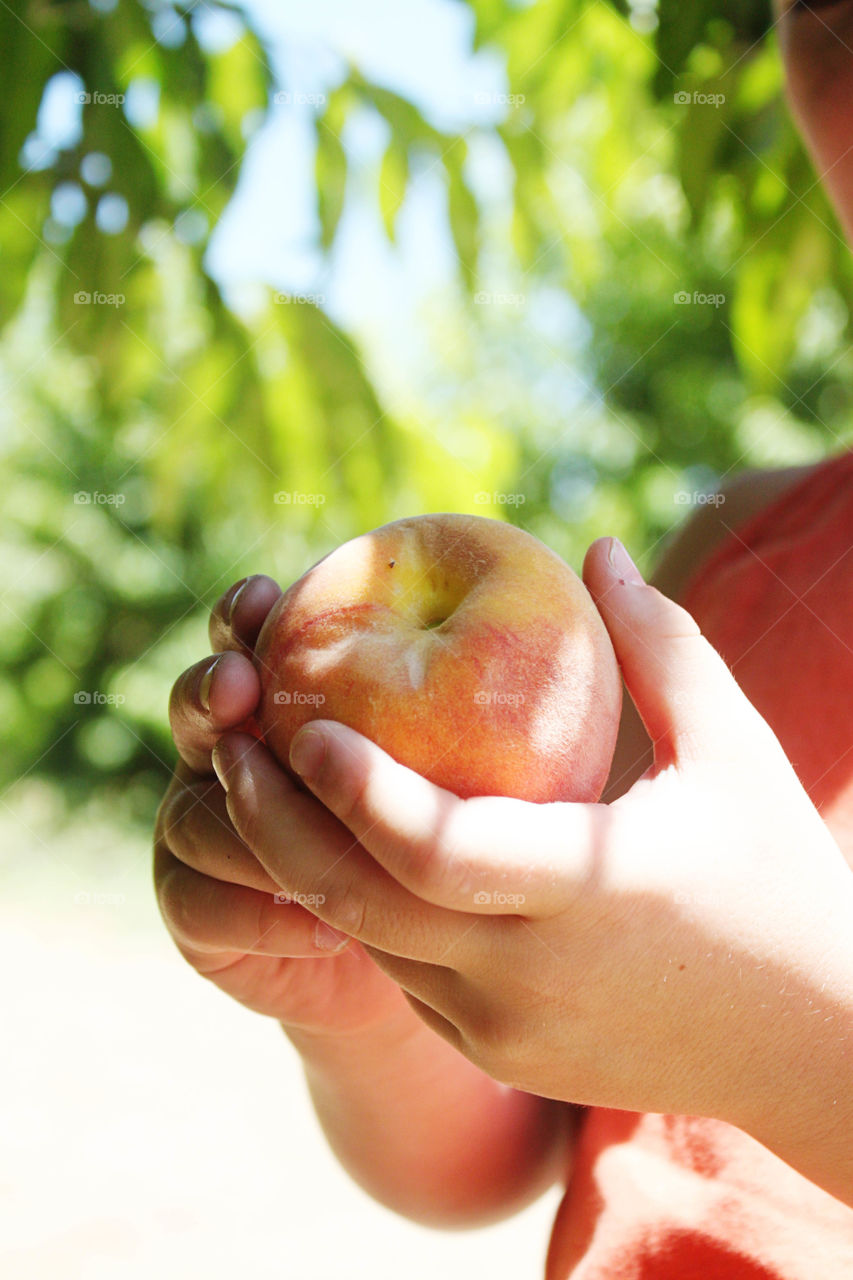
point(369, 1044)
point(805, 1115)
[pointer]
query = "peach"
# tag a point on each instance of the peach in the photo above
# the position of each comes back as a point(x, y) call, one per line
point(463, 646)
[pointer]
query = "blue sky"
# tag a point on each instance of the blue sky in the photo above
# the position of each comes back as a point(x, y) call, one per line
point(267, 236)
point(423, 51)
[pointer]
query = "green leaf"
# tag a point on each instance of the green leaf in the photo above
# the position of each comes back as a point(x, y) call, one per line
point(393, 181)
point(775, 287)
point(683, 27)
point(704, 128)
point(330, 168)
point(238, 83)
point(464, 216)
point(29, 58)
point(406, 122)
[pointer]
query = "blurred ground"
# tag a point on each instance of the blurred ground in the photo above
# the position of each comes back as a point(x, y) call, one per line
point(151, 1126)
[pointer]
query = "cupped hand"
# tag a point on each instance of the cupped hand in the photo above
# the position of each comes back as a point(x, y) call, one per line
point(653, 954)
point(226, 914)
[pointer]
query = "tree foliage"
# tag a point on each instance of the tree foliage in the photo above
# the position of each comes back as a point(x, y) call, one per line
point(664, 297)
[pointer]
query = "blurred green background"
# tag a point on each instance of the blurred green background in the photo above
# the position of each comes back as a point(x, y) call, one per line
point(261, 291)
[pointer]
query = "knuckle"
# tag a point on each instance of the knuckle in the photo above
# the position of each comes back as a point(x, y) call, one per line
point(176, 906)
point(353, 810)
point(445, 864)
point(245, 816)
point(173, 819)
point(442, 868)
point(181, 822)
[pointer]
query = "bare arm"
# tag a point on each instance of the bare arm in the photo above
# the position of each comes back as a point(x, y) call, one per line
point(426, 1133)
point(416, 1124)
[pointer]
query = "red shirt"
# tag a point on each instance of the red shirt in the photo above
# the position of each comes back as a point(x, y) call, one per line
point(660, 1197)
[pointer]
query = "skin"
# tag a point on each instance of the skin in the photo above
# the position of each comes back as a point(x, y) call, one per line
point(591, 993)
point(817, 47)
point(372, 1065)
point(438, 1006)
point(389, 1030)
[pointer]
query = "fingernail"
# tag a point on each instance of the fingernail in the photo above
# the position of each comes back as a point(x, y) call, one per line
point(307, 752)
point(221, 762)
point(205, 683)
point(623, 564)
point(236, 596)
point(328, 939)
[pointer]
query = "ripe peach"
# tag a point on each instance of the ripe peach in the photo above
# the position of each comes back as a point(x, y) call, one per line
point(463, 646)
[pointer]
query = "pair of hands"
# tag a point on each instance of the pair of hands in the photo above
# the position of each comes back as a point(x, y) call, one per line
point(644, 954)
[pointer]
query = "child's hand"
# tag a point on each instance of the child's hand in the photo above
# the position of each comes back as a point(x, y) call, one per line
point(216, 898)
point(679, 950)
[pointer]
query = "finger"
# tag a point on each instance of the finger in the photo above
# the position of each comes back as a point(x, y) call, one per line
point(194, 824)
point(218, 693)
point(490, 855)
point(689, 701)
point(205, 962)
point(433, 987)
point(206, 915)
point(432, 992)
point(308, 851)
point(239, 614)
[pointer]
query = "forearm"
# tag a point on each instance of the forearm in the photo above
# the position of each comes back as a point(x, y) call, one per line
point(426, 1133)
point(808, 1117)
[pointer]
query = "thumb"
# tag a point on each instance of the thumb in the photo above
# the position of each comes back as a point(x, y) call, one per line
point(688, 699)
